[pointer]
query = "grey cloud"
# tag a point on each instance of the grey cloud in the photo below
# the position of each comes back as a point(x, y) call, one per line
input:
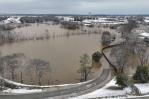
point(76, 6)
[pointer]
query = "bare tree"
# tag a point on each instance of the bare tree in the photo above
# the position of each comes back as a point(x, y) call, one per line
point(127, 28)
point(70, 25)
point(47, 34)
point(141, 52)
point(139, 48)
point(12, 65)
point(21, 77)
point(120, 57)
point(40, 67)
point(1, 66)
point(2, 73)
point(85, 68)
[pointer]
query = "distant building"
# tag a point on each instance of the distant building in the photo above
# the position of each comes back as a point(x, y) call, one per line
point(146, 20)
point(104, 21)
point(144, 35)
point(142, 29)
point(68, 18)
point(12, 19)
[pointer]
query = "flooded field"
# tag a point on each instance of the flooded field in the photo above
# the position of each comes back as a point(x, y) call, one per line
point(63, 53)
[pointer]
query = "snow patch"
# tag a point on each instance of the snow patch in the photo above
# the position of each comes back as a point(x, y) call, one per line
point(144, 34)
point(21, 91)
point(12, 20)
point(106, 92)
point(144, 88)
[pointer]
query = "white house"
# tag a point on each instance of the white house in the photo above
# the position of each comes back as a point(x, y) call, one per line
point(68, 18)
point(12, 20)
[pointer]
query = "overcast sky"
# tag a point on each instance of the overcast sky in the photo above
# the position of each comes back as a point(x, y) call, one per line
point(74, 6)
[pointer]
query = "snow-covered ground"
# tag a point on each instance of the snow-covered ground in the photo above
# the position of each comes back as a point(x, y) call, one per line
point(144, 34)
point(106, 92)
point(109, 93)
point(144, 88)
point(22, 91)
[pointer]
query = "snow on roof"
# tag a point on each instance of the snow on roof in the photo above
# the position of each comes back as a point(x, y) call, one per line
point(144, 34)
point(104, 21)
point(12, 20)
point(87, 21)
point(68, 18)
point(146, 20)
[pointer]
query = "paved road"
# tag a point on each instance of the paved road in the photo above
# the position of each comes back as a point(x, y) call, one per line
point(74, 91)
point(95, 84)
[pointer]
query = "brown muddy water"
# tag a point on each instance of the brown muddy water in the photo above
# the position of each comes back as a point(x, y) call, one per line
point(62, 53)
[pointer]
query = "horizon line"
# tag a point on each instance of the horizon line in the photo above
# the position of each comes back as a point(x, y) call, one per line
point(74, 14)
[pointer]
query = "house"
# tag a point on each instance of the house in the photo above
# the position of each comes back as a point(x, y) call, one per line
point(68, 18)
point(12, 19)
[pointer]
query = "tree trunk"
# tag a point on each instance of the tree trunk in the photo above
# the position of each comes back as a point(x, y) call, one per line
point(39, 81)
point(21, 77)
point(12, 75)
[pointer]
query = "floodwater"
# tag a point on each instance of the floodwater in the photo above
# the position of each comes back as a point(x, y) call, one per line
point(63, 53)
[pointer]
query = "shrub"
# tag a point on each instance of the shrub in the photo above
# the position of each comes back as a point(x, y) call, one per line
point(122, 80)
point(96, 56)
point(142, 74)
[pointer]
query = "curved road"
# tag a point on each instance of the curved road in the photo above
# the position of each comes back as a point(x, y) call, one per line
point(95, 84)
point(74, 91)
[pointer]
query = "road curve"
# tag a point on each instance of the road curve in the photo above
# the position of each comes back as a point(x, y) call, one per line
point(110, 64)
point(74, 91)
point(85, 88)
